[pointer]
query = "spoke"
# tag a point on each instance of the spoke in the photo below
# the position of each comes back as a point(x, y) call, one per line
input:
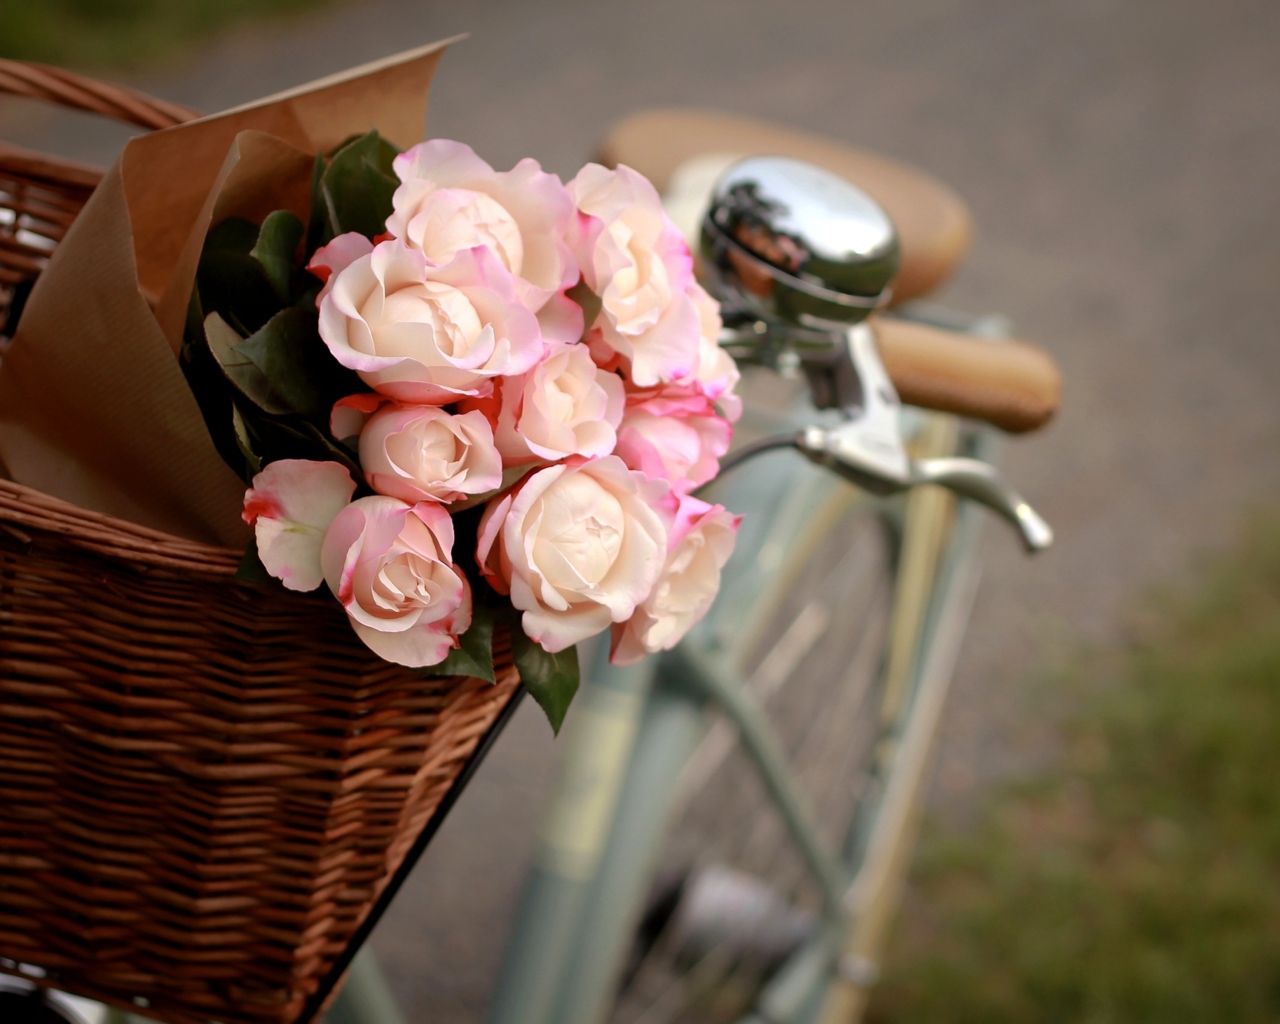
point(774, 670)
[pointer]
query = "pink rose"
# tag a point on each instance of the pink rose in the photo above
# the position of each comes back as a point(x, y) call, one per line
point(427, 334)
point(700, 542)
point(350, 414)
point(339, 254)
point(390, 564)
point(290, 506)
point(717, 375)
point(451, 200)
point(671, 444)
point(566, 405)
point(422, 453)
point(637, 261)
point(577, 546)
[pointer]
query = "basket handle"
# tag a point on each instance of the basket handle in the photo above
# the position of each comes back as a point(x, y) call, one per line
point(68, 89)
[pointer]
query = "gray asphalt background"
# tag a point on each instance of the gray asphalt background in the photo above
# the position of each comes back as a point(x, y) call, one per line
point(1122, 163)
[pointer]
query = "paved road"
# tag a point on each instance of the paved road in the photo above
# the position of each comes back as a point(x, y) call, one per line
point(1121, 160)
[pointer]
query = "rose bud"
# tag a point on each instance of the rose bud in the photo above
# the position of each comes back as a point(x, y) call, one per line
point(717, 375)
point(566, 405)
point(451, 200)
point(680, 448)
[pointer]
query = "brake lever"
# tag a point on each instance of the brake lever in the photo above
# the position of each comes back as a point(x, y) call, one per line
point(868, 450)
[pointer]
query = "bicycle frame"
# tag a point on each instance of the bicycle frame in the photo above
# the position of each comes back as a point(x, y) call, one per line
point(635, 730)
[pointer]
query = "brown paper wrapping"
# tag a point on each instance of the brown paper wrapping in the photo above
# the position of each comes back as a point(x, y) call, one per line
point(94, 408)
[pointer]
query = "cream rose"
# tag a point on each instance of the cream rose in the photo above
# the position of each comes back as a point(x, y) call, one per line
point(566, 405)
point(701, 541)
point(450, 199)
point(636, 260)
point(427, 334)
point(422, 453)
point(390, 564)
point(577, 546)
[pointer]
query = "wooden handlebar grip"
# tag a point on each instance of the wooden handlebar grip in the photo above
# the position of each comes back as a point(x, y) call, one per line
point(1012, 385)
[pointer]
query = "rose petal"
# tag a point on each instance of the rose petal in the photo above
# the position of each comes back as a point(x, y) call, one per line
point(702, 539)
point(350, 414)
point(290, 506)
point(336, 256)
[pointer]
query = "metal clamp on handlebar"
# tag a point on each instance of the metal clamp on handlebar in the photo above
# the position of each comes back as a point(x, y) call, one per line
point(868, 450)
point(802, 257)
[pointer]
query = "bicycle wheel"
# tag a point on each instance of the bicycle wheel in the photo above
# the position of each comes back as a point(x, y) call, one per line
point(731, 898)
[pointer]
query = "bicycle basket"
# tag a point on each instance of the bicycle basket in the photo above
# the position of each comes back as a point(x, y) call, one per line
point(206, 786)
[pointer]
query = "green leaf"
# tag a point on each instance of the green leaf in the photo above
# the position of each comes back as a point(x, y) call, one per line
point(236, 287)
point(474, 655)
point(588, 300)
point(319, 230)
point(252, 570)
point(294, 361)
point(551, 679)
point(253, 464)
point(276, 249)
point(235, 234)
point(284, 368)
point(239, 369)
point(331, 451)
point(209, 386)
point(357, 186)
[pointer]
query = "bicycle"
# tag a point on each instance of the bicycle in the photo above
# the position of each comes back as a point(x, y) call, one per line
point(618, 922)
point(772, 904)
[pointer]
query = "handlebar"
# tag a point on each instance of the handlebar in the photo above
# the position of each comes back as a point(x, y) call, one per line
point(1012, 385)
point(798, 257)
point(867, 447)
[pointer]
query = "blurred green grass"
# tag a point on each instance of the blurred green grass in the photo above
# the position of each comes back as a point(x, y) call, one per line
point(1140, 880)
point(124, 34)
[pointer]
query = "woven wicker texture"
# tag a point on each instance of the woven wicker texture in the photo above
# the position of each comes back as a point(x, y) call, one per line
point(66, 88)
point(204, 785)
point(39, 198)
point(41, 195)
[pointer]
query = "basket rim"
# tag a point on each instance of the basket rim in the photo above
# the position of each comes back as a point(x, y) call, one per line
point(23, 506)
point(47, 169)
point(33, 80)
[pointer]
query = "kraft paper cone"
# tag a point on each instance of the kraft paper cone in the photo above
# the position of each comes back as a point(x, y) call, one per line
point(168, 174)
point(94, 408)
point(261, 173)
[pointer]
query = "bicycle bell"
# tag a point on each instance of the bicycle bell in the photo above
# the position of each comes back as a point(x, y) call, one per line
point(794, 243)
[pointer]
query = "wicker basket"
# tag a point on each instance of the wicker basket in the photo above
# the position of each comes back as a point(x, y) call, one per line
point(208, 791)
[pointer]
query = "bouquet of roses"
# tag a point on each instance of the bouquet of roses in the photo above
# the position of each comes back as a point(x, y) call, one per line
point(461, 397)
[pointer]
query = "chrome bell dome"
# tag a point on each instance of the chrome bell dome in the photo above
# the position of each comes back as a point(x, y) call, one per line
point(794, 243)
